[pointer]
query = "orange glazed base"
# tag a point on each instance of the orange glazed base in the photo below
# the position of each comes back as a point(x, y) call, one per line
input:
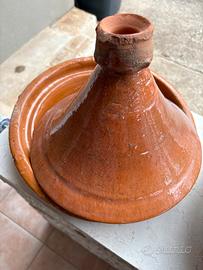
point(56, 87)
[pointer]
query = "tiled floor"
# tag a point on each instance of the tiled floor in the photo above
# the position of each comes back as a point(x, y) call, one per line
point(28, 241)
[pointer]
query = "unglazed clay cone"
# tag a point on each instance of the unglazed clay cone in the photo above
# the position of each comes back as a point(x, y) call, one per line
point(122, 151)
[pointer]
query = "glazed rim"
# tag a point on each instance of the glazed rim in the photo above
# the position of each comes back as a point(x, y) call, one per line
point(128, 25)
point(27, 109)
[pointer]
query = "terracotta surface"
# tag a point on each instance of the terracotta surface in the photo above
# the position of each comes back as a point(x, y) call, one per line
point(20, 212)
point(13, 240)
point(39, 96)
point(122, 150)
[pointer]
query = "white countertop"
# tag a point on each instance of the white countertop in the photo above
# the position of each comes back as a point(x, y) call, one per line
point(171, 241)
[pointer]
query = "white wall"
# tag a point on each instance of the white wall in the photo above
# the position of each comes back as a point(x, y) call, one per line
point(22, 19)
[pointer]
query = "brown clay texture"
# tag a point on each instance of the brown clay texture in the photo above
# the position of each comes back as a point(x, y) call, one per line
point(121, 150)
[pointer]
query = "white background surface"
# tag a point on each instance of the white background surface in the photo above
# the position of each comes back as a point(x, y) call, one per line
point(20, 20)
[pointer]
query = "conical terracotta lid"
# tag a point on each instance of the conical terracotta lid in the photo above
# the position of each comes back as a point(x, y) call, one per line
point(122, 151)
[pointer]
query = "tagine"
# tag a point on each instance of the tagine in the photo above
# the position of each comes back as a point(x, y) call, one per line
point(121, 150)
